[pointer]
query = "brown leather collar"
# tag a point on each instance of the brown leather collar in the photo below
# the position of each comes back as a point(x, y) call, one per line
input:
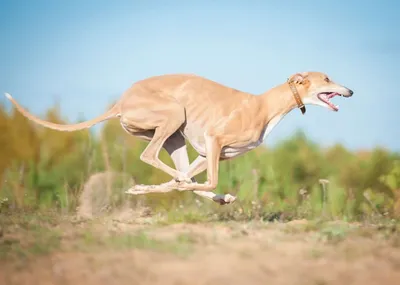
point(297, 97)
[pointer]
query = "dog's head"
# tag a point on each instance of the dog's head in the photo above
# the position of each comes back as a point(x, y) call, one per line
point(317, 88)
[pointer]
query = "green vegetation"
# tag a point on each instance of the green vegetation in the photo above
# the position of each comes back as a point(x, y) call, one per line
point(44, 169)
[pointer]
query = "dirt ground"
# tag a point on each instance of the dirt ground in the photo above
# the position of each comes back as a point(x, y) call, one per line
point(111, 252)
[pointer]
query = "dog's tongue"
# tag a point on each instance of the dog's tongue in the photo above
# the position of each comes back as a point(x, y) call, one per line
point(329, 96)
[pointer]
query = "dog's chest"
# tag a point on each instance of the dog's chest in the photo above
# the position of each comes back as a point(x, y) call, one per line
point(230, 152)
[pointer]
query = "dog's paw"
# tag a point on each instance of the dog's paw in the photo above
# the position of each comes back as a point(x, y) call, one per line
point(224, 199)
point(183, 179)
point(184, 186)
point(140, 189)
point(229, 199)
point(133, 191)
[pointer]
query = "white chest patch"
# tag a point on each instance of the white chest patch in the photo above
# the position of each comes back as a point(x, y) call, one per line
point(272, 124)
point(230, 152)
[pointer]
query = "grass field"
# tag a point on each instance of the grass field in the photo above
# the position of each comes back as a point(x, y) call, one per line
point(147, 248)
point(304, 214)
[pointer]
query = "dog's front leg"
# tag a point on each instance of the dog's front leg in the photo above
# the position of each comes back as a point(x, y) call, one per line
point(198, 166)
point(221, 199)
point(213, 150)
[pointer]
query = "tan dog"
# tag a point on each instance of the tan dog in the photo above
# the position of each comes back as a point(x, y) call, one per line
point(219, 122)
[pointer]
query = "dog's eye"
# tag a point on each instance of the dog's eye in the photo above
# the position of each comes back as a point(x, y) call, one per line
point(326, 79)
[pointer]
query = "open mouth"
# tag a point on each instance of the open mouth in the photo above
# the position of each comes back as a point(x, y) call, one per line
point(326, 96)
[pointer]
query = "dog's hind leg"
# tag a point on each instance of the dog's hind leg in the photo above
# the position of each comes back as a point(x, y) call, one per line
point(163, 120)
point(176, 147)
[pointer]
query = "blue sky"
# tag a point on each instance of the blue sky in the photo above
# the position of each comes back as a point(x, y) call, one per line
point(84, 54)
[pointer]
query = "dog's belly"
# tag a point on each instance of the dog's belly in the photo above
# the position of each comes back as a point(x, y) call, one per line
point(195, 136)
point(227, 152)
point(231, 152)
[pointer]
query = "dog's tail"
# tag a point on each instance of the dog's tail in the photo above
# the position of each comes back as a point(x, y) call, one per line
point(111, 113)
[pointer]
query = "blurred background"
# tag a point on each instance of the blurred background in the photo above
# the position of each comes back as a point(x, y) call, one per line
point(68, 61)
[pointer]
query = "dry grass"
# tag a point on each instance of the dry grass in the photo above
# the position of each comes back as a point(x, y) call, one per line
point(49, 249)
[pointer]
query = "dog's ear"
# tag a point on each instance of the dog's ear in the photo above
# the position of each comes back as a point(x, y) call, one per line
point(299, 78)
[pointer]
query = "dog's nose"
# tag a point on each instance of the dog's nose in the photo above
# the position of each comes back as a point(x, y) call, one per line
point(351, 92)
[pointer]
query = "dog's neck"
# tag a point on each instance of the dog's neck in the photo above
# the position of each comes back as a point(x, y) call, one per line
point(278, 101)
